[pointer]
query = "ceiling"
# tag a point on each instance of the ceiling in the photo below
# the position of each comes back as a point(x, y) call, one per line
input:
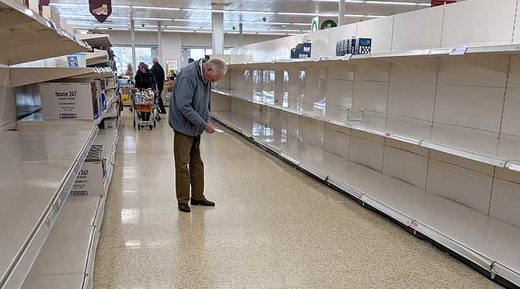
point(195, 15)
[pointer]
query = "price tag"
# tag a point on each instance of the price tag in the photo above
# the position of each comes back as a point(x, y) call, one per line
point(414, 225)
point(460, 50)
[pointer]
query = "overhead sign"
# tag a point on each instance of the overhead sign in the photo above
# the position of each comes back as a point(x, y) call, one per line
point(328, 23)
point(320, 23)
point(315, 24)
point(101, 9)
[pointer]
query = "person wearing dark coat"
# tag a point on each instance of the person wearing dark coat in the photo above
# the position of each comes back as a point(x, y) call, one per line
point(144, 79)
point(159, 75)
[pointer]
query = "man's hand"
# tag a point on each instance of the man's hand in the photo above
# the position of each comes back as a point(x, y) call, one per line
point(209, 128)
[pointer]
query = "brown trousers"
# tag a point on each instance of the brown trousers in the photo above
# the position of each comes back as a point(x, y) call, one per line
point(189, 168)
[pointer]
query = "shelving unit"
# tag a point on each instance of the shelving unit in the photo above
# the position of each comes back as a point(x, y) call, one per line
point(48, 155)
point(67, 257)
point(48, 240)
point(488, 148)
point(437, 146)
point(32, 37)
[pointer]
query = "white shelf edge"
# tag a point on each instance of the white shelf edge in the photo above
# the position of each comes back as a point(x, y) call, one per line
point(474, 257)
point(20, 267)
point(387, 210)
point(429, 52)
point(490, 160)
point(505, 273)
point(313, 171)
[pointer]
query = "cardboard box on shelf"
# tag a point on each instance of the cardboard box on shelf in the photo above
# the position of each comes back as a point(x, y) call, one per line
point(83, 100)
point(90, 178)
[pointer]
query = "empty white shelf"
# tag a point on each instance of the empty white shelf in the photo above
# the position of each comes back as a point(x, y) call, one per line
point(68, 281)
point(40, 162)
point(66, 251)
point(96, 40)
point(487, 242)
point(442, 52)
point(474, 144)
point(29, 75)
point(28, 36)
point(97, 57)
point(80, 211)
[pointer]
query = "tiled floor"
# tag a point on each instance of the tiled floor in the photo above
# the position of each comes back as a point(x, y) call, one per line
point(273, 227)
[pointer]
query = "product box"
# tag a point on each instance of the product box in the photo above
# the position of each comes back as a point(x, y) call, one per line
point(89, 181)
point(302, 50)
point(70, 101)
point(364, 46)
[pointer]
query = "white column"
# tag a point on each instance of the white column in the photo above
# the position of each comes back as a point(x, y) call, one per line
point(132, 39)
point(341, 13)
point(160, 43)
point(218, 32)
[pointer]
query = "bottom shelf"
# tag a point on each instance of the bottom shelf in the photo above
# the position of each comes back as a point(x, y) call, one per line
point(488, 243)
point(55, 281)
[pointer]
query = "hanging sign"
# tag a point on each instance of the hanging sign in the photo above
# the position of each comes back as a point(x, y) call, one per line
point(101, 9)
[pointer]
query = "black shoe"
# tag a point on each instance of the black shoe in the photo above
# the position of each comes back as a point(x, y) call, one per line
point(184, 207)
point(203, 202)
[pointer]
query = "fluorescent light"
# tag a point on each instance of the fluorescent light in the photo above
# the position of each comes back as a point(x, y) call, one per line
point(250, 12)
point(157, 8)
point(192, 20)
point(391, 3)
point(202, 10)
point(151, 19)
point(307, 14)
point(68, 4)
point(83, 5)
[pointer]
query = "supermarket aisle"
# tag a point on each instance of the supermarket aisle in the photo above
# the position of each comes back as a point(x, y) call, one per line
point(273, 227)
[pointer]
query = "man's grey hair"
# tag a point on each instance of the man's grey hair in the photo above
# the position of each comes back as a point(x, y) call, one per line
point(217, 65)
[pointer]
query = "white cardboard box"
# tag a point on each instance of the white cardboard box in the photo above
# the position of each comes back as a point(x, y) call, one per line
point(89, 181)
point(69, 101)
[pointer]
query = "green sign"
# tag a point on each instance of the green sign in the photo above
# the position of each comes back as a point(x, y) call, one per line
point(315, 24)
point(328, 24)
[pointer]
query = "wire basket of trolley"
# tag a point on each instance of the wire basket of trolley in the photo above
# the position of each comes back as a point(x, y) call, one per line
point(144, 98)
point(144, 108)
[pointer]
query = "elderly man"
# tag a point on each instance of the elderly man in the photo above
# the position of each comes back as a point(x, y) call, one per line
point(189, 118)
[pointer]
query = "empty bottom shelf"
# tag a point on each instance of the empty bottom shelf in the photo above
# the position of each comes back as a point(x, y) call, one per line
point(487, 242)
point(70, 281)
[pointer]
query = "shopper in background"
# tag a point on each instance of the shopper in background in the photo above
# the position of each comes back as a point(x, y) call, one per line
point(144, 79)
point(189, 118)
point(159, 75)
point(129, 71)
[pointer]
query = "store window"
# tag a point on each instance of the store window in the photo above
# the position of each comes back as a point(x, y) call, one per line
point(198, 53)
point(123, 56)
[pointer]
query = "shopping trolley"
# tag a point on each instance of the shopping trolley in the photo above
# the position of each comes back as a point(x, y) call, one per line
point(143, 102)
